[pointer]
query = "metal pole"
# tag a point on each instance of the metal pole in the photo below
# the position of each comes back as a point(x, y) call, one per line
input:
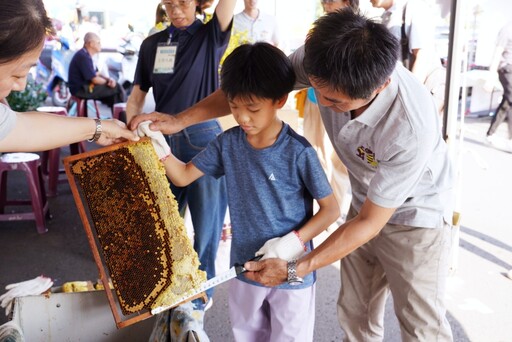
point(455, 82)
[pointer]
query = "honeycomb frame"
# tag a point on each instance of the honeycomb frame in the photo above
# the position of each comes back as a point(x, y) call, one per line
point(134, 228)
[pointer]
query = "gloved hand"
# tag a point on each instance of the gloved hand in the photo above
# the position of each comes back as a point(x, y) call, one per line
point(288, 247)
point(35, 286)
point(157, 139)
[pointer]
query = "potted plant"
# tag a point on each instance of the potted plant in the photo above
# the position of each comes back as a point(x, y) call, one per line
point(30, 98)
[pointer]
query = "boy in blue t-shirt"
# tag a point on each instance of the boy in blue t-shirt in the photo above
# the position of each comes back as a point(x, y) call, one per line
point(272, 175)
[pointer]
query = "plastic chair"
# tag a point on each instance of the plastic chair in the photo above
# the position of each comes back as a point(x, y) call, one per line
point(118, 108)
point(29, 164)
point(80, 105)
point(50, 160)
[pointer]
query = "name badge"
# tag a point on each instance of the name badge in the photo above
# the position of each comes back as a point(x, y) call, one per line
point(165, 58)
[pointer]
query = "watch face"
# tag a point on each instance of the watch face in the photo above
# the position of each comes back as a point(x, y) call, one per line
point(295, 282)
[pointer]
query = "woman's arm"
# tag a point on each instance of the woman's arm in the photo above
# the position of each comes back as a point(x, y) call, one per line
point(36, 131)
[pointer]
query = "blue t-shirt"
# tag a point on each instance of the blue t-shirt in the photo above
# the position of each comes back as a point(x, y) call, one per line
point(81, 70)
point(270, 190)
point(200, 48)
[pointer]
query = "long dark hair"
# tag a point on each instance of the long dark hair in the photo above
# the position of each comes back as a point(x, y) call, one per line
point(23, 26)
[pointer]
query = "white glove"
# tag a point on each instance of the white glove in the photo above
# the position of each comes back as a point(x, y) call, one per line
point(32, 287)
point(157, 139)
point(288, 247)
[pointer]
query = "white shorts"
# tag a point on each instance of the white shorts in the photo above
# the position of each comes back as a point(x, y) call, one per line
point(262, 314)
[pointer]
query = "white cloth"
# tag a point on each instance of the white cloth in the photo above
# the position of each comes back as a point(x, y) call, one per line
point(161, 147)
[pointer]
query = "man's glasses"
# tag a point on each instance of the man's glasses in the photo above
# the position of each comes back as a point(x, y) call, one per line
point(182, 5)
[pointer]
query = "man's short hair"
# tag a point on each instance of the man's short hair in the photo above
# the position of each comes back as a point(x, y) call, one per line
point(258, 70)
point(90, 36)
point(350, 53)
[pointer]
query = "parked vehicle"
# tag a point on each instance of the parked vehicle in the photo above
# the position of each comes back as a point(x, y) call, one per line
point(58, 83)
point(122, 64)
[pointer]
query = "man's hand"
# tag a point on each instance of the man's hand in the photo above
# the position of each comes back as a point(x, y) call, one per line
point(161, 147)
point(270, 272)
point(111, 83)
point(115, 131)
point(167, 124)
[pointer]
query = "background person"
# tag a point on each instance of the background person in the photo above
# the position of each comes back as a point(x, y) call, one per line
point(334, 5)
point(86, 82)
point(24, 25)
point(502, 65)
point(314, 130)
point(413, 22)
point(161, 20)
point(256, 25)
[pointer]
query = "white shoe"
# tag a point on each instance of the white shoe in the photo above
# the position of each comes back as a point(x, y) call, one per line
point(508, 145)
point(491, 139)
point(208, 304)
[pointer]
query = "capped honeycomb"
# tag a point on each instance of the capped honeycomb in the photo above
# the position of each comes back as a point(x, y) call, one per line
point(142, 237)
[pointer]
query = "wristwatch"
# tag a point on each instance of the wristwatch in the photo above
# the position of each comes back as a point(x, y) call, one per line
point(293, 279)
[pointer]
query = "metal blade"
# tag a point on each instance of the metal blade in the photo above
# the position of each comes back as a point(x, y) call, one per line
point(230, 274)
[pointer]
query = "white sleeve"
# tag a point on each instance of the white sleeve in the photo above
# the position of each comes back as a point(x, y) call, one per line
point(7, 120)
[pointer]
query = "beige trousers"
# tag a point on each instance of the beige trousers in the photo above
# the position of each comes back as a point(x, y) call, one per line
point(336, 172)
point(410, 263)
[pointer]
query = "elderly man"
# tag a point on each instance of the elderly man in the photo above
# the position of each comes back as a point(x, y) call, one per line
point(85, 81)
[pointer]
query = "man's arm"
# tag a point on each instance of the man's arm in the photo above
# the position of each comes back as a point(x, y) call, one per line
point(421, 63)
point(135, 103)
point(224, 12)
point(347, 238)
point(211, 107)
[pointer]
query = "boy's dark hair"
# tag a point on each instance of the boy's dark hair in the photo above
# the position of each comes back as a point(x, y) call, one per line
point(23, 27)
point(348, 52)
point(257, 70)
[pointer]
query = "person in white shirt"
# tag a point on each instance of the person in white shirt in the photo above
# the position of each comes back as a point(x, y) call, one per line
point(256, 26)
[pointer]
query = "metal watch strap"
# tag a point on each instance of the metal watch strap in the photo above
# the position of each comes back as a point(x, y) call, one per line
point(293, 279)
point(97, 133)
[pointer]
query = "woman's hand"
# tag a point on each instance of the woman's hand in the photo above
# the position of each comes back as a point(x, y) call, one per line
point(115, 131)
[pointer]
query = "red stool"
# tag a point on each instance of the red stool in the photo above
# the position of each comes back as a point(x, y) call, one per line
point(118, 108)
point(50, 160)
point(81, 106)
point(29, 164)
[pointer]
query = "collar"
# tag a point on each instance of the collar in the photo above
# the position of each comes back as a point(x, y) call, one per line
point(191, 29)
point(247, 16)
point(381, 104)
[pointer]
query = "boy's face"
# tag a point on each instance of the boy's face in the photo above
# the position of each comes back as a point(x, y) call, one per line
point(255, 115)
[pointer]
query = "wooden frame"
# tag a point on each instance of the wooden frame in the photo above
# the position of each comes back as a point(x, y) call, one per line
point(120, 319)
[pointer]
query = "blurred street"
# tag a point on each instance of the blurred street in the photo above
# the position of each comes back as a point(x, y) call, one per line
point(479, 293)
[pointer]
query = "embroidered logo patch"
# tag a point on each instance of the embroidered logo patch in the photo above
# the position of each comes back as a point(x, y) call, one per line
point(272, 177)
point(367, 155)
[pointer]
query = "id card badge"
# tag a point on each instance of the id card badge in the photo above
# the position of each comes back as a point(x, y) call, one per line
point(165, 58)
